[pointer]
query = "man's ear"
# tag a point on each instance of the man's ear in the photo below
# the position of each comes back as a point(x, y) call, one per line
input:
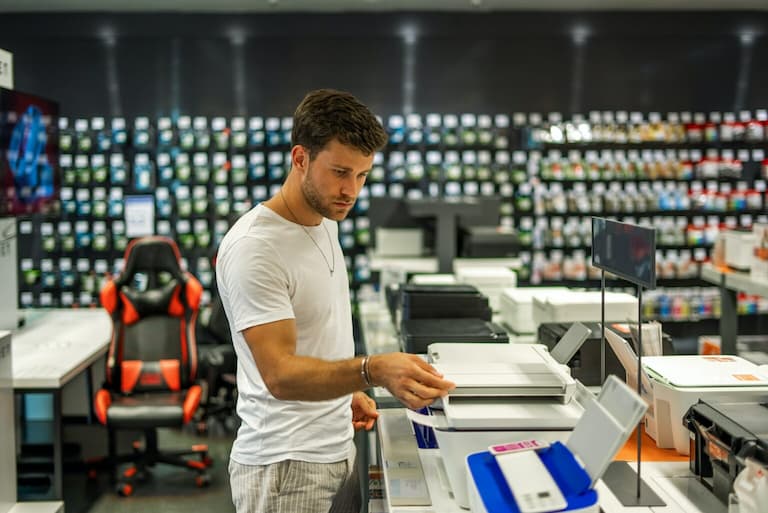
point(300, 159)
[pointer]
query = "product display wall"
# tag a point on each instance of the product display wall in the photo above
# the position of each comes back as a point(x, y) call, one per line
point(690, 175)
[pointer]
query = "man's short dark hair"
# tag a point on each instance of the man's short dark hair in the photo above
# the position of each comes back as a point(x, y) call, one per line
point(327, 114)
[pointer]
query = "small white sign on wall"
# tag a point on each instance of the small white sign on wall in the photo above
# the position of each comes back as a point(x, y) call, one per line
point(6, 69)
point(139, 216)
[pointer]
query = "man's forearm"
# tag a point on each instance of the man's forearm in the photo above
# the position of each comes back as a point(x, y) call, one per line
point(302, 378)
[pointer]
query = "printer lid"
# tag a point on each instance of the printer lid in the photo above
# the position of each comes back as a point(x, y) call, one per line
point(704, 371)
point(501, 370)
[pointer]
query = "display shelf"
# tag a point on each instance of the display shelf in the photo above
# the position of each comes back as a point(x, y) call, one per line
point(731, 282)
point(568, 181)
point(734, 280)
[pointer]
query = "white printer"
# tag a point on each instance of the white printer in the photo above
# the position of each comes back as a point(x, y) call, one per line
point(516, 306)
point(678, 382)
point(572, 306)
point(503, 392)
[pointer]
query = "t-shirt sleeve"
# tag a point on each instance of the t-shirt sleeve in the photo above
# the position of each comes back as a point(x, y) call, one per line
point(255, 284)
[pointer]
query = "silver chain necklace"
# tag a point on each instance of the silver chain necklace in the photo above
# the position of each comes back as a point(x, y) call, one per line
point(332, 264)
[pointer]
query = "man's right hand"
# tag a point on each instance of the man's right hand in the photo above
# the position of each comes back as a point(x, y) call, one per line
point(409, 378)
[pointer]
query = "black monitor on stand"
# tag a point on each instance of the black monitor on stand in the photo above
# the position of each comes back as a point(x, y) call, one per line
point(629, 252)
point(439, 219)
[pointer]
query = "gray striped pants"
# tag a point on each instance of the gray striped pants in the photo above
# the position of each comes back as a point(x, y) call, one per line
point(294, 486)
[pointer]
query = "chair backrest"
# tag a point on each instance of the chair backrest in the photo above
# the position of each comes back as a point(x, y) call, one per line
point(154, 305)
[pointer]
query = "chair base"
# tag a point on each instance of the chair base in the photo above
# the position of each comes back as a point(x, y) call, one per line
point(143, 458)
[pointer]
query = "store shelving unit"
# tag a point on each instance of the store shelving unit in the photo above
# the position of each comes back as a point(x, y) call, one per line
point(731, 283)
point(202, 171)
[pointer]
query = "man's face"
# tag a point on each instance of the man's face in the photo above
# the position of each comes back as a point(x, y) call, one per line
point(334, 179)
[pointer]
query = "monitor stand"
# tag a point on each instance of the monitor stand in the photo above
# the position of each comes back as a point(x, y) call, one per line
point(446, 212)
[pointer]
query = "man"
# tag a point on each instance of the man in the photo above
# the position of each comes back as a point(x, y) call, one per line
point(283, 282)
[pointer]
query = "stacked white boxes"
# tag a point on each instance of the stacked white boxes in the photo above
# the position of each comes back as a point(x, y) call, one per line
point(759, 267)
point(572, 306)
point(490, 281)
point(517, 306)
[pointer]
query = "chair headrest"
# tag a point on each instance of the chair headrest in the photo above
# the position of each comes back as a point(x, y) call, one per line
point(152, 255)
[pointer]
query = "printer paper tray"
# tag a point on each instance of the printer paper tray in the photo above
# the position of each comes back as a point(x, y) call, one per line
point(520, 414)
point(511, 391)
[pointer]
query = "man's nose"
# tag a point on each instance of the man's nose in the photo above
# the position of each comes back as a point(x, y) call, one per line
point(348, 186)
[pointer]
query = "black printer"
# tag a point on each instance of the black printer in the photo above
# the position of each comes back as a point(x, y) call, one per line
point(723, 435)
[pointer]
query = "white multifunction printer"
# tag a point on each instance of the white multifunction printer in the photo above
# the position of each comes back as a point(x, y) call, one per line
point(503, 392)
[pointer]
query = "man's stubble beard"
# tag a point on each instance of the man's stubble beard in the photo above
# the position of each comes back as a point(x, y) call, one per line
point(315, 201)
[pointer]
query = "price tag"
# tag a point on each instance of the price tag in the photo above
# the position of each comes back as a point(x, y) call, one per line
point(99, 193)
point(699, 118)
point(636, 118)
point(200, 159)
point(238, 161)
point(729, 117)
point(81, 161)
point(743, 155)
point(654, 117)
point(200, 123)
point(759, 185)
point(594, 117)
point(141, 123)
point(758, 155)
point(237, 124)
point(673, 117)
point(272, 124)
point(83, 195)
point(450, 120)
point(686, 117)
point(534, 118)
point(164, 124)
point(607, 116)
point(745, 116)
point(255, 123)
point(502, 120)
point(286, 123)
point(555, 117)
point(468, 120)
point(199, 192)
point(727, 154)
point(695, 155)
point(622, 116)
point(715, 117)
point(83, 265)
point(218, 124)
point(99, 227)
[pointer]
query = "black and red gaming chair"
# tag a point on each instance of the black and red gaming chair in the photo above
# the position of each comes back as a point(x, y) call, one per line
point(152, 359)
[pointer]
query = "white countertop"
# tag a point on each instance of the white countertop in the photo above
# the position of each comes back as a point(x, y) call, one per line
point(56, 345)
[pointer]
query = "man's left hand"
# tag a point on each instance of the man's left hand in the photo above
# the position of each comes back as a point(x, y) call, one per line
point(364, 412)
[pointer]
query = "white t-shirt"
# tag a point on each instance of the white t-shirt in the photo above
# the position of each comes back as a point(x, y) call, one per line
point(267, 270)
